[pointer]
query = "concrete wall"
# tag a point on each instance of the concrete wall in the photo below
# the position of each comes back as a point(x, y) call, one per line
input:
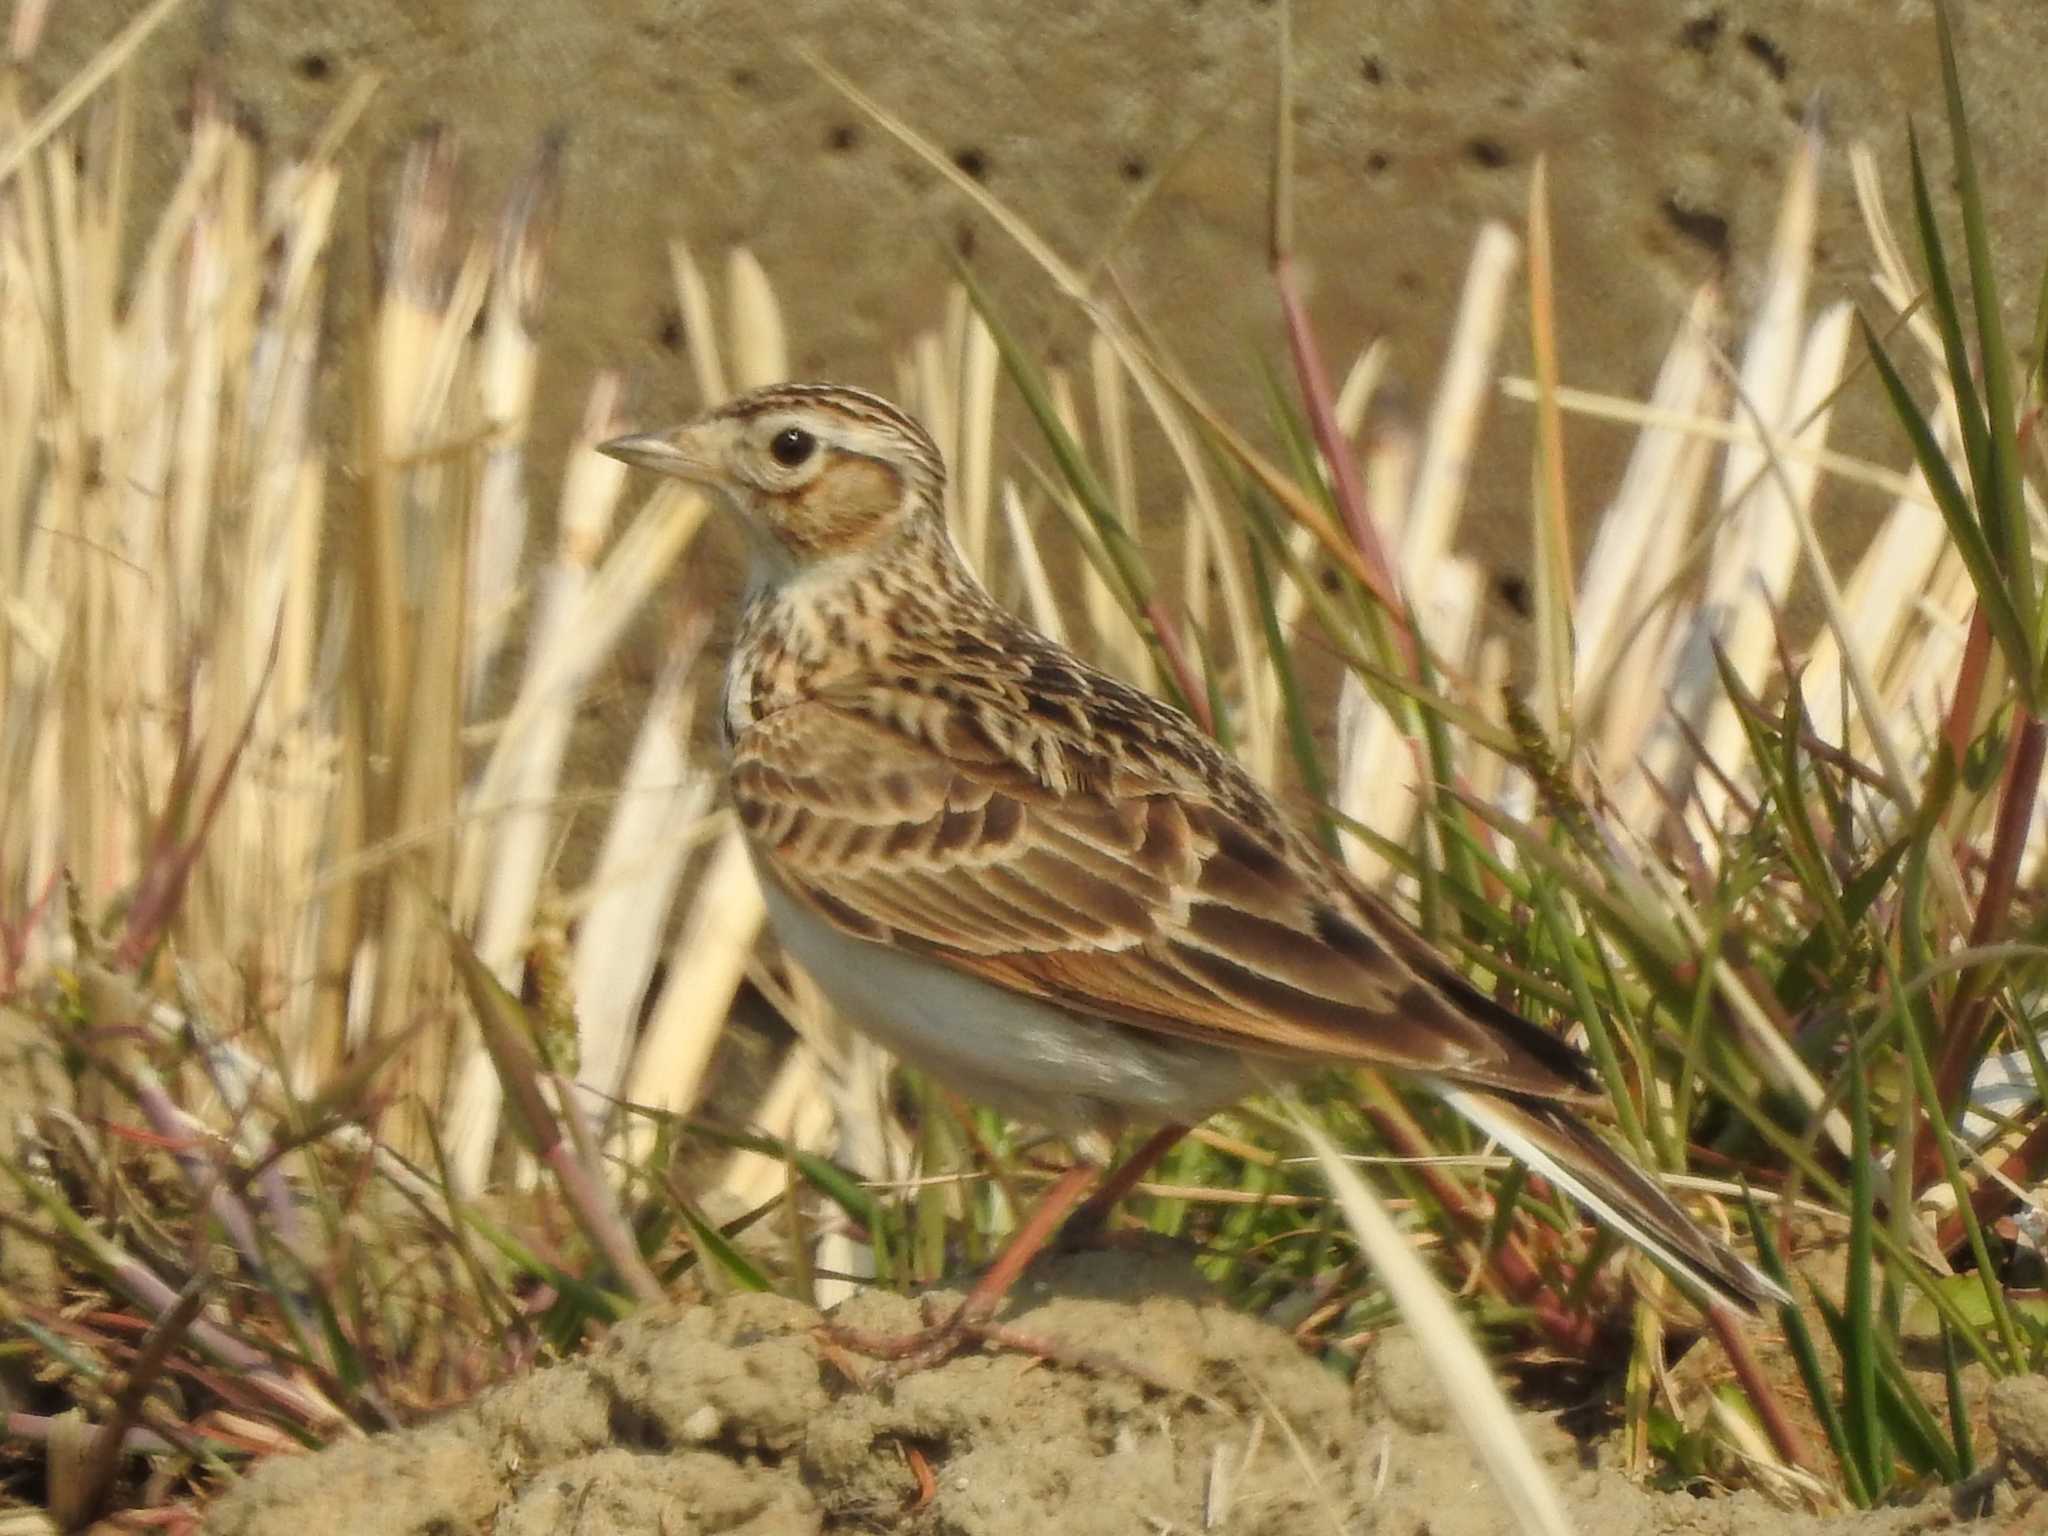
point(1140, 130)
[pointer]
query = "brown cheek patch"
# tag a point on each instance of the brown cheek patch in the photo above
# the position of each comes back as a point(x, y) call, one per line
point(841, 508)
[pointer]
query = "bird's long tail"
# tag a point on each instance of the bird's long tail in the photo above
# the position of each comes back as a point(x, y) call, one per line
point(1622, 1195)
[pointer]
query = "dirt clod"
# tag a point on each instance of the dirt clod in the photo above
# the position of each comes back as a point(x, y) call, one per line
point(2019, 1422)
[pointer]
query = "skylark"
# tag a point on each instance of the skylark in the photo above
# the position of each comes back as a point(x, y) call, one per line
point(1046, 888)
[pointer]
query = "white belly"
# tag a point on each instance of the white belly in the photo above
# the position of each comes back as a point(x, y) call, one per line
point(1027, 1058)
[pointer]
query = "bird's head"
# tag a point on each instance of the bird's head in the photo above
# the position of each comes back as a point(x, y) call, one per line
point(817, 473)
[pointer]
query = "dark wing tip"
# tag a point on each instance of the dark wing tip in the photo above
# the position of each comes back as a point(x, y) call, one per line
point(1624, 1196)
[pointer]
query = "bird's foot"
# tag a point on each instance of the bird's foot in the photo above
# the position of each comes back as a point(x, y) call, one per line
point(903, 1354)
point(967, 1327)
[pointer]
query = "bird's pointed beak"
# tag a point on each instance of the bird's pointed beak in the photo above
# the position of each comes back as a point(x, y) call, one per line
point(680, 452)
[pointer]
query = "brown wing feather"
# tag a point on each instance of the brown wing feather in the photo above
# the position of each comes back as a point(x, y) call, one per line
point(1116, 894)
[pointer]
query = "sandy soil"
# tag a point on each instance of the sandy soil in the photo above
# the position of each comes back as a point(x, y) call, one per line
point(725, 1418)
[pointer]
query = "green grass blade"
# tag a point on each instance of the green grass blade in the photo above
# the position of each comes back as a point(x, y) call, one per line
point(719, 1249)
point(1550, 911)
point(1806, 1356)
point(1948, 321)
point(1907, 1420)
point(1958, 1405)
point(1912, 1424)
point(2037, 383)
point(1301, 735)
point(1915, 1021)
point(2002, 492)
point(1859, 1307)
point(1986, 574)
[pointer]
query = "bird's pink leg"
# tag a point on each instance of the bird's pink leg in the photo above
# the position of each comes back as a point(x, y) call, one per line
point(1093, 1215)
point(931, 1346)
point(972, 1319)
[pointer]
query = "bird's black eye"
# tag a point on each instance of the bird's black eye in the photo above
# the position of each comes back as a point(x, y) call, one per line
point(791, 446)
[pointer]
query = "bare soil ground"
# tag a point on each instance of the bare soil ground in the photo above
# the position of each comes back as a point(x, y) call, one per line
point(728, 1418)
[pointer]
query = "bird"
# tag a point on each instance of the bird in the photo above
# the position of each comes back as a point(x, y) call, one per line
point(1050, 890)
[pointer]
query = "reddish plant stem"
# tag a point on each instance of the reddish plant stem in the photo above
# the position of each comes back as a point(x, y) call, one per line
point(95, 1485)
point(1785, 1439)
point(574, 1159)
point(1347, 488)
point(14, 937)
point(1962, 709)
point(1123, 1178)
point(1995, 1196)
point(1192, 688)
point(162, 884)
point(40, 1429)
point(1971, 1005)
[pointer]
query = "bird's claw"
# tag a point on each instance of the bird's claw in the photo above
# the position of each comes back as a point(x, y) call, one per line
point(904, 1354)
point(943, 1337)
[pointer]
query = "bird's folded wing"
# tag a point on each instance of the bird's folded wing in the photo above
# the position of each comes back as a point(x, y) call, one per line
point(1113, 896)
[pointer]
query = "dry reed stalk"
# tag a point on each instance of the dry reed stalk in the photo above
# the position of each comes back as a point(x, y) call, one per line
point(1625, 595)
point(656, 821)
point(507, 365)
point(1113, 432)
point(1814, 391)
point(700, 330)
point(1368, 748)
point(174, 586)
point(707, 962)
point(75, 92)
point(1420, 496)
point(1465, 384)
point(1467, 1383)
point(758, 346)
point(796, 1110)
point(921, 378)
point(512, 827)
point(1241, 640)
point(975, 389)
point(1119, 644)
point(1549, 509)
point(434, 284)
point(1198, 568)
point(1360, 388)
point(1750, 565)
point(1043, 607)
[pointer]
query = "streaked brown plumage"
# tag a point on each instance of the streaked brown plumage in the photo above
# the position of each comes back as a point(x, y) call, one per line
point(1039, 882)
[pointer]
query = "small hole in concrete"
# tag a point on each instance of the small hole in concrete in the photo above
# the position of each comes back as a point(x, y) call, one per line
point(973, 161)
point(1702, 226)
point(1133, 169)
point(1768, 54)
point(1701, 32)
point(313, 67)
point(1487, 154)
point(1373, 72)
point(842, 137)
